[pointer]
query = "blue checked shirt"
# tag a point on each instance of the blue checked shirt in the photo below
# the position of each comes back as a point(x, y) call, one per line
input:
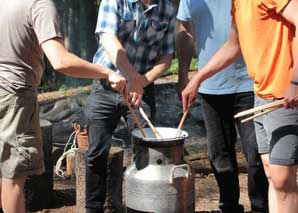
point(145, 33)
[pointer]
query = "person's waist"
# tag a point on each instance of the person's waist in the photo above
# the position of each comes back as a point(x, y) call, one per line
point(105, 84)
point(102, 84)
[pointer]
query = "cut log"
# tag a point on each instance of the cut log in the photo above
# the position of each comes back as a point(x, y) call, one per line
point(70, 168)
point(114, 181)
point(38, 189)
point(80, 170)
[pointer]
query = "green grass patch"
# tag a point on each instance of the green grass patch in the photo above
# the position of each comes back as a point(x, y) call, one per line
point(174, 66)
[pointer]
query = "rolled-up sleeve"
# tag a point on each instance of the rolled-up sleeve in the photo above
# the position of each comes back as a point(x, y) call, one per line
point(108, 17)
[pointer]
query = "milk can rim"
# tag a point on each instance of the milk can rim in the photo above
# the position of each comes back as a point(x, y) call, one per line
point(137, 136)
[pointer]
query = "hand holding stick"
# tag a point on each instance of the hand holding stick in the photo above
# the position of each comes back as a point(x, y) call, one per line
point(135, 118)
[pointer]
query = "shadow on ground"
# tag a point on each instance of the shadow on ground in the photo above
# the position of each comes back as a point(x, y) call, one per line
point(64, 197)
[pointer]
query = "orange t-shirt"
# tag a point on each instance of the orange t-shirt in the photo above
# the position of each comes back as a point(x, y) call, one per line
point(266, 43)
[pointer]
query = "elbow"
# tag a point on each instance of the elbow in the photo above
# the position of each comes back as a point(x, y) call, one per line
point(61, 64)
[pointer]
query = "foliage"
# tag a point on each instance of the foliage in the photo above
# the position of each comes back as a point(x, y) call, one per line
point(174, 67)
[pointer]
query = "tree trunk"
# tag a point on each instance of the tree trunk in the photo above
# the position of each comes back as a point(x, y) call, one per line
point(78, 22)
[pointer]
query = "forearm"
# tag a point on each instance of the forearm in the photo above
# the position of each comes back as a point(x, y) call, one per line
point(117, 54)
point(185, 48)
point(69, 64)
point(290, 14)
point(295, 56)
point(224, 57)
point(74, 66)
point(158, 69)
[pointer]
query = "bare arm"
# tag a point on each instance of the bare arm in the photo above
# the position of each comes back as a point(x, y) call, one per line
point(185, 48)
point(158, 69)
point(118, 56)
point(226, 55)
point(69, 64)
point(291, 15)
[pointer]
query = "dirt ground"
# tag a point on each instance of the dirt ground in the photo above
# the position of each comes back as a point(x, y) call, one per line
point(206, 195)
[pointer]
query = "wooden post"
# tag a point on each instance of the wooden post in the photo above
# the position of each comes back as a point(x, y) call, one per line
point(114, 181)
point(80, 170)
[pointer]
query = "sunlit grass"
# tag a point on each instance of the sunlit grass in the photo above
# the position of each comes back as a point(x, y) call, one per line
point(174, 67)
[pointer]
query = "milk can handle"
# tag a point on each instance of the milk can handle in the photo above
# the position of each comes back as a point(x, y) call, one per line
point(179, 166)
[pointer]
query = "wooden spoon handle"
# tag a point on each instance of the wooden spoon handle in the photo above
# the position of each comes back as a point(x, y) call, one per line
point(181, 123)
point(154, 130)
point(134, 116)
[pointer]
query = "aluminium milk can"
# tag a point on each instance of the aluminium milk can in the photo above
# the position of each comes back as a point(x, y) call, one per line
point(159, 180)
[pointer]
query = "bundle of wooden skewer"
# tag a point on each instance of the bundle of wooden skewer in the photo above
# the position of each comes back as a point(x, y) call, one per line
point(260, 110)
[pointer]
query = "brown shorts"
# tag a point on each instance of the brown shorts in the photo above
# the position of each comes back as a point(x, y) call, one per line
point(20, 136)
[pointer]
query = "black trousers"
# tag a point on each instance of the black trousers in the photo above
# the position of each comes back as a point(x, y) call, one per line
point(103, 111)
point(218, 112)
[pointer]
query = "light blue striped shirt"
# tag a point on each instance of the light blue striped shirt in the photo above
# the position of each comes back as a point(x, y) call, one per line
point(145, 33)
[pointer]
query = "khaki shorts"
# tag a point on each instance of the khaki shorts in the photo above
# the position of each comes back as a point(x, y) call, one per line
point(20, 136)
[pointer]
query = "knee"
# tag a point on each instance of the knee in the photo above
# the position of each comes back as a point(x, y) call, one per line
point(223, 166)
point(283, 183)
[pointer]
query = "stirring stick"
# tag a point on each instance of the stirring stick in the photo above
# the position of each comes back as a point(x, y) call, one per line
point(181, 123)
point(154, 130)
point(262, 110)
point(272, 105)
point(258, 115)
point(135, 118)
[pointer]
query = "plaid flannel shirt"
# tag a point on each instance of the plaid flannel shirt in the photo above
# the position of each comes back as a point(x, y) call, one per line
point(145, 33)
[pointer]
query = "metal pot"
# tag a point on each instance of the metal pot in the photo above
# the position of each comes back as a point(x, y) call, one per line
point(159, 180)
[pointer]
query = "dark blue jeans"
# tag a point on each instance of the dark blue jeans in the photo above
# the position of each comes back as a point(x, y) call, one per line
point(218, 112)
point(103, 111)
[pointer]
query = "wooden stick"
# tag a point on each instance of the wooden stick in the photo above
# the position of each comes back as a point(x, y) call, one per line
point(154, 130)
point(181, 123)
point(264, 109)
point(274, 105)
point(259, 114)
point(135, 118)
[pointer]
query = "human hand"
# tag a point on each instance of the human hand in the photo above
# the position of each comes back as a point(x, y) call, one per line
point(291, 96)
point(189, 94)
point(117, 82)
point(135, 89)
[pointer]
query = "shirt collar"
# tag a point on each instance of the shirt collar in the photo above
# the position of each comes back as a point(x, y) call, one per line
point(154, 2)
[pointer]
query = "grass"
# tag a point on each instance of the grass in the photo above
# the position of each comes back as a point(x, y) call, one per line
point(174, 67)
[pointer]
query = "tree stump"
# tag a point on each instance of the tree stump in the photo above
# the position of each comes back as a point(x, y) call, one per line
point(38, 189)
point(113, 202)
